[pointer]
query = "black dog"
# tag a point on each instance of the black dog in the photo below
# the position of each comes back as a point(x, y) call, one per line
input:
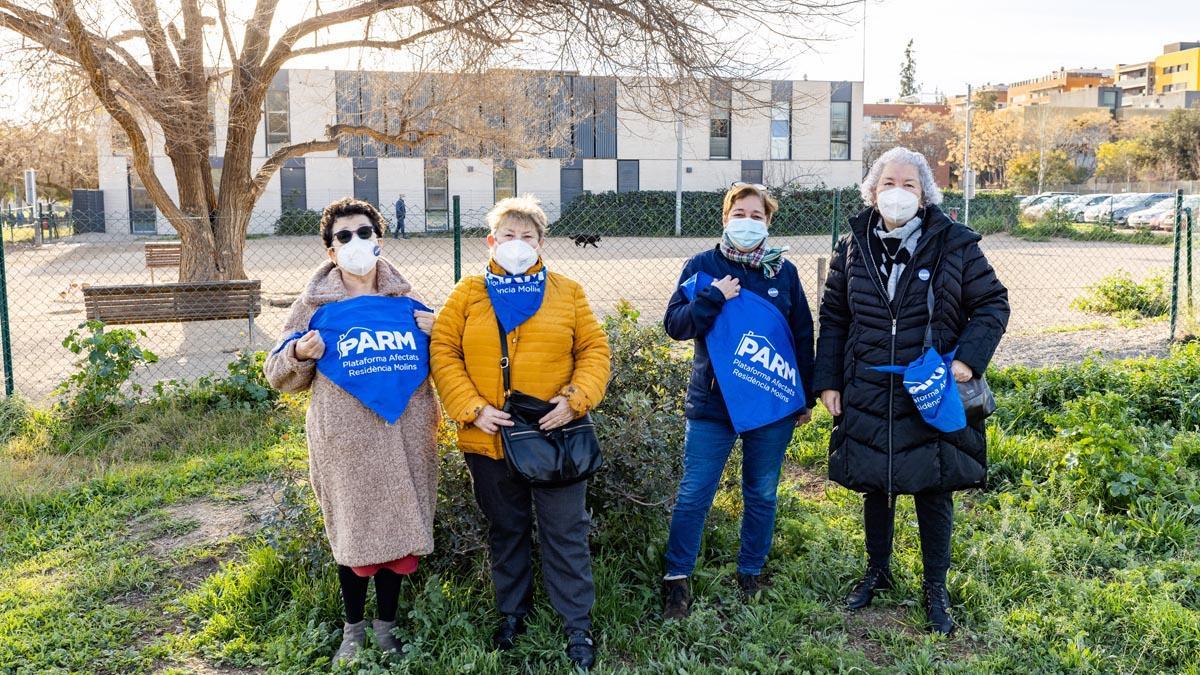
point(585, 239)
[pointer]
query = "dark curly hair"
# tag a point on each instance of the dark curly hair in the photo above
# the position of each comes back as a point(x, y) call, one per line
point(348, 207)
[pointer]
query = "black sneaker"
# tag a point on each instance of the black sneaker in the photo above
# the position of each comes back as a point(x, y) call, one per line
point(678, 604)
point(506, 634)
point(580, 649)
point(937, 608)
point(876, 579)
point(749, 586)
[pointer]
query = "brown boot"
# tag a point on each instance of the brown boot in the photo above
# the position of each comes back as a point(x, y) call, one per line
point(678, 603)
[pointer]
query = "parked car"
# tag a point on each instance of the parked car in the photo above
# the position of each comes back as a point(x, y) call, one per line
point(1076, 207)
point(1142, 217)
point(1100, 213)
point(1165, 219)
point(1046, 206)
point(1121, 213)
point(1032, 200)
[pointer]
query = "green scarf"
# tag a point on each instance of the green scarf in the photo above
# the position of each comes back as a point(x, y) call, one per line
point(769, 259)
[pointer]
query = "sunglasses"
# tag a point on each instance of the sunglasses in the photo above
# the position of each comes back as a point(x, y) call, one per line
point(756, 186)
point(344, 236)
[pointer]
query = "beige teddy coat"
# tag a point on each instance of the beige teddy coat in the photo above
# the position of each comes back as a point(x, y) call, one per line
point(376, 483)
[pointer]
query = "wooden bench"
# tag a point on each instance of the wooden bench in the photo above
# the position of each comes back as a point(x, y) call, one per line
point(168, 303)
point(162, 254)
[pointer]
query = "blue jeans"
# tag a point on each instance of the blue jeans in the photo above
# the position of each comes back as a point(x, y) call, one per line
point(706, 448)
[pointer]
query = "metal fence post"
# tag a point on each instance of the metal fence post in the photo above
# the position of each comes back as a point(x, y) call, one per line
point(5, 334)
point(457, 240)
point(835, 220)
point(1175, 263)
point(1191, 307)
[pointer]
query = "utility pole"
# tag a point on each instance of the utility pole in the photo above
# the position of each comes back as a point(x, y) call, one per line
point(968, 176)
point(1042, 151)
point(679, 175)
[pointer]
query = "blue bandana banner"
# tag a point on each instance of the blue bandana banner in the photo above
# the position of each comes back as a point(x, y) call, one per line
point(930, 382)
point(374, 350)
point(753, 357)
point(515, 297)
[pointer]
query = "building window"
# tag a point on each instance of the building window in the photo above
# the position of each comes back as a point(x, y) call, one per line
point(627, 175)
point(781, 120)
point(752, 171)
point(437, 195)
point(839, 130)
point(366, 180)
point(504, 182)
point(278, 127)
point(718, 120)
point(292, 189)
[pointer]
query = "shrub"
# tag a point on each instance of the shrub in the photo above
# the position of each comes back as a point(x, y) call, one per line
point(652, 213)
point(1118, 294)
point(109, 358)
point(298, 222)
point(640, 422)
point(243, 387)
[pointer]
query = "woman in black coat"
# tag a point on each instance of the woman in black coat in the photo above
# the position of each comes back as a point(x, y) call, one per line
point(874, 313)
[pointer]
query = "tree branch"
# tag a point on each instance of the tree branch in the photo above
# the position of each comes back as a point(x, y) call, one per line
point(98, 80)
point(335, 133)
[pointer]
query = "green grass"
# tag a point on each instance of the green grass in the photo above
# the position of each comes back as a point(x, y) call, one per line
point(1049, 228)
point(1083, 556)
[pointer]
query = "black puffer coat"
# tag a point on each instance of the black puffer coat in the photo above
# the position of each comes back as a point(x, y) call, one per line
point(880, 443)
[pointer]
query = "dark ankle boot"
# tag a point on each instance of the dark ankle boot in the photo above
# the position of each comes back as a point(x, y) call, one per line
point(749, 586)
point(580, 649)
point(506, 634)
point(876, 579)
point(678, 602)
point(937, 608)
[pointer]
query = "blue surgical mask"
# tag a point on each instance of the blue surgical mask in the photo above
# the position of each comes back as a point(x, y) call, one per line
point(746, 233)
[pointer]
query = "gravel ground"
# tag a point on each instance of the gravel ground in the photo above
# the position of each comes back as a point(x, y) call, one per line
point(45, 299)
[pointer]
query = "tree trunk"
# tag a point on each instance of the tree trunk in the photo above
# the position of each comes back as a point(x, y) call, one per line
point(198, 261)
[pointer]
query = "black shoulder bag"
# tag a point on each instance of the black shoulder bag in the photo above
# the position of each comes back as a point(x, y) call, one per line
point(976, 394)
point(558, 457)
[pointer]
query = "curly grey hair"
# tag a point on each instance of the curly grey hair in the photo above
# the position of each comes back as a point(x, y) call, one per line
point(930, 192)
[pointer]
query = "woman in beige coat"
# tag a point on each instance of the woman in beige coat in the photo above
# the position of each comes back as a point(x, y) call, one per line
point(376, 482)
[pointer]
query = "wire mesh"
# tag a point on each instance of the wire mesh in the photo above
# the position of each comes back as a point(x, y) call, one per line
point(621, 247)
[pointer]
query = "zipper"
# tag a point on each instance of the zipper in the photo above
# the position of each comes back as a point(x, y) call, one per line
point(873, 273)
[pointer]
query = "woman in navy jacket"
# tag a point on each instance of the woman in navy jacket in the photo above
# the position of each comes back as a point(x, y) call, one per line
point(741, 261)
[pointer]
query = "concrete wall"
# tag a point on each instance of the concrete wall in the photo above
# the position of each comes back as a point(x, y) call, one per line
point(472, 181)
point(542, 179)
point(403, 176)
point(312, 105)
point(599, 175)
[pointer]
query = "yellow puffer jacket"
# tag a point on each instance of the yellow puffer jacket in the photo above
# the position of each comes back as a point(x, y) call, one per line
point(559, 350)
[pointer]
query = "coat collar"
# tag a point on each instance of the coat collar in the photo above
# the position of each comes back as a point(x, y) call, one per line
point(934, 222)
point(326, 285)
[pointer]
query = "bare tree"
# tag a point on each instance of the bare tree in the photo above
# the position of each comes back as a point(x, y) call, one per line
point(58, 139)
point(153, 65)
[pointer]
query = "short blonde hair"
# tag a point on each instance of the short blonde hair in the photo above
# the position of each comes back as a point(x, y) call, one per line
point(526, 207)
point(745, 190)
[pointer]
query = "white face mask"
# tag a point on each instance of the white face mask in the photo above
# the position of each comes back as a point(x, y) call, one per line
point(515, 256)
point(746, 233)
point(358, 256)
point(898, 205)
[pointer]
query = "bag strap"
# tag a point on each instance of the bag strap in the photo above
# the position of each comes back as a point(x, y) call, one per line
point(504, 361)
point(929, 303)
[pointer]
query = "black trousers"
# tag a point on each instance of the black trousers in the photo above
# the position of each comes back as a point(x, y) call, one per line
point(563, 523)
point(935, 521)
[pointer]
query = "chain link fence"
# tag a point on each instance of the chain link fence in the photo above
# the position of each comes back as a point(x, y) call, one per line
point(621, 247)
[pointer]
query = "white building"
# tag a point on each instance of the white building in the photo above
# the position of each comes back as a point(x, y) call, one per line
point(811, 134)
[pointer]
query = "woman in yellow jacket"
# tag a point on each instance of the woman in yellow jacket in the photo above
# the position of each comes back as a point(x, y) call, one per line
point(558, 352)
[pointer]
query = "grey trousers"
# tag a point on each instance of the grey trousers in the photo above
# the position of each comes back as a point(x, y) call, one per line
point(563, 523)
